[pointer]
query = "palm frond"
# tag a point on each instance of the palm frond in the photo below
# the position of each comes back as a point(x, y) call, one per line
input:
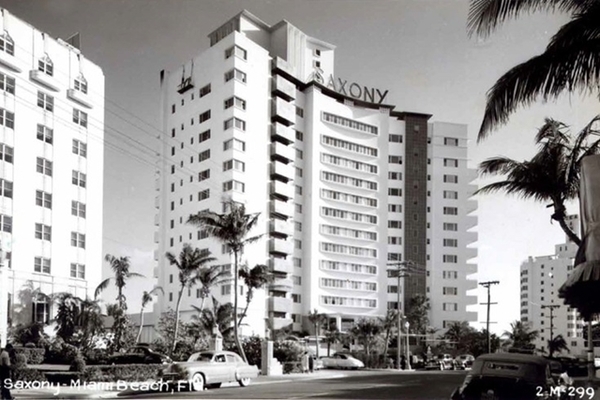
point(498, 166)
point(101, 287)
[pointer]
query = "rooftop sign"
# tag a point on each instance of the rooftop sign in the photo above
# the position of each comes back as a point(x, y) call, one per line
point(351, 89)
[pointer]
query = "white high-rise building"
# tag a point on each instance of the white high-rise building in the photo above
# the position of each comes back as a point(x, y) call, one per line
point(541, 277)
point(344, 184)
point(51, 171)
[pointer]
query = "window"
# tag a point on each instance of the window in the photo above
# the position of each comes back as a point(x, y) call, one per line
point(43, 199)
point(7, 84)
point(450, 291)
point(235, 144)
point(450, 306)
point(45, 101)
point(205, 90)
point(6, 188)
point(450, 274)
point(299, 136)
point(450, 162)
point(77, 209)
point(298, 244)
point(79, 148)
point(235, 74)
point(205, 116)
point(7, 118)
point(450, 141)
point(300, 112)
point(297, 262)
point(348, 146)
point(44, 133)
point(450, 258)
point(80, 118)
point(297, 280)
point(395, 224)
point(394, 240)
point(6, 223)
point(394, 256)
point(450, 242)
point(296, 298)
point(43, 232)
point(203, 195)
point(450, 210)
point(450, 226)
point(204, 136)
point(298, 226)
point(299, 154)
point(395, 192)
point(78, 179)
point(78, 240)
point(41, 265)
point(44, 166)
point(236, 51)
point(349, 123)
point(203, 175)
point(298, 190)
point(80, 84)
point(395, 159)
point(234, 185)
point(392, 289)
point(45, 65)
point(299, 172)
point(205, 155)
point(395, 138)
point(225, 290)
point(451, 178)
point(235, 123)
point(317, 53)
point(78, 271)
point(7, 44)
point(395, 176)
point(451, 194)
point(234, 164)
point(395, 208)
point(235, 101)
point(298, 208)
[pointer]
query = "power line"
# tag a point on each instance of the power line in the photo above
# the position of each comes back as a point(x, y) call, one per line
point(487, 286)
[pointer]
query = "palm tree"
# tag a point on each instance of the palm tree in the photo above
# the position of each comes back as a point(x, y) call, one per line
point(254, 278)
point(388, 323)
point(557, 344)
point(459, 333)
point(208, 277)
point(317, 320)
point(90, 321)
point(570, 62)
point(552, 175)
point(521, 335)
point(366, 332)
point(332, 336)
point(189, 264)
point(231, 229)
point(146, 299)
point(67, 316)
point(221, 317)
point(120, 267)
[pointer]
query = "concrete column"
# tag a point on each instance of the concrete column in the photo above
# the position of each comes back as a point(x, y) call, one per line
point(266, 356)
point(216, 344)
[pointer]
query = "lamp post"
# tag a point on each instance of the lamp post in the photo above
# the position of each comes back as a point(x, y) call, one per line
point(407, 325)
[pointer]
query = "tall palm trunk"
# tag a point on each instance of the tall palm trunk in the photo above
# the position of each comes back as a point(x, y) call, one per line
point(317, 337)
point(139, 335)
point(387, 342)
point(248, 299)
point(177, 319)
point(235, 308)
point(202, 303)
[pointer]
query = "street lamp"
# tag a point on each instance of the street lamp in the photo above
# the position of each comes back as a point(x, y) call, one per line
point(407, 326)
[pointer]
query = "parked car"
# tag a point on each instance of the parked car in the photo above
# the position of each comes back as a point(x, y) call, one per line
point(139, 355)
point(464, 361)
point(445, 361)
point(417, 362)
point(503, 376)
point(210, 369)
point(342, 361)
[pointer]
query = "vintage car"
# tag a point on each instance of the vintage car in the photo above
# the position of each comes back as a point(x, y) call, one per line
point(503, 376)
point(140, 354)
point(210, 369)
point(445, 361)
point(342, 361)
point(464, 361)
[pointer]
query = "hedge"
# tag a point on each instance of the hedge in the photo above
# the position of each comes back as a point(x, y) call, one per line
point(34, 355)
point(124, 372)
point(62, 378)
point(292, 367)
point(28, 375)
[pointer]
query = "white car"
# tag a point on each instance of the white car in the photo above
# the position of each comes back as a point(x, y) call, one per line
point(342, 361)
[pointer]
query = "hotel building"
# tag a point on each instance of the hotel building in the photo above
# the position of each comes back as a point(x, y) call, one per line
point(51, 172)
point(541, 277)
point(343, 182)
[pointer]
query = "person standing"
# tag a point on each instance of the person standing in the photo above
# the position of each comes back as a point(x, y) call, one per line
point(5, 371)
point(311, 363)
point(304, 362)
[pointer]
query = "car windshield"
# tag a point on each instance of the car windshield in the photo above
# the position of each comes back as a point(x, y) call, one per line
point(201, 357)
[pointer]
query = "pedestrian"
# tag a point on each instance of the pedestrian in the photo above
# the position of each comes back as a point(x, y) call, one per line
point(390, 363)
point(5, 371)
point(403, 362)
point(304, 363)
point(311, 363)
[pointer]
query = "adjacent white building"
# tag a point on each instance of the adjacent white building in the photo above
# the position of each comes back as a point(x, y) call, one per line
point(51, 171)
point(541, 277)
point(343, 182)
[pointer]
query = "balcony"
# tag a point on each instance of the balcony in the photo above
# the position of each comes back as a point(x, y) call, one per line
point(281, 227)
point(283, 111)
point(280, 323)
point(280, 304)
point(283, 88)
point(9, 61)
point(282, 133)
point(282, 285)
point(280, 246)
point(281, 171)
point(79, 97)
point(470, 284)
point(283, 153)
point(44, 79)
point(281, 208)
point(470, 252)
point(470, 221)
point(282, 67)
point(281, 265)
point(281, 190)
point(470, 206)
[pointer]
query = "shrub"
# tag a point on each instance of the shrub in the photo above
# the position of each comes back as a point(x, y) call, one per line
point(78, 364)
point(125, 372)
point(31, 333)
point(60, 352)
point(287, 351)
point(292, 367)
point(253, 349)
point(20, 361)
point(27, 375)
point(95, 356)
point(62, 378)
point(33, 355)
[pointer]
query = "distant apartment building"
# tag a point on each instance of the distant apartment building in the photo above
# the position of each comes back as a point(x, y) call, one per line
point(541, 277)
point(51, 171)
point(343, 182)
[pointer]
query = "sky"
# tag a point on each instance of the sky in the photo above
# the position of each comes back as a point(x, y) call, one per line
point(417, 49)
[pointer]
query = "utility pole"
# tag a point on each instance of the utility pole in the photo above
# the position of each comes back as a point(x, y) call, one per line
point(487, 324)
point(551, 307)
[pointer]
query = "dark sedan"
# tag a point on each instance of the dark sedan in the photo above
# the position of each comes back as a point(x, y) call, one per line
point(139, 355)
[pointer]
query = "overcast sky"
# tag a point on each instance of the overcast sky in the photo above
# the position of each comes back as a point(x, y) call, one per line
point(418, 49)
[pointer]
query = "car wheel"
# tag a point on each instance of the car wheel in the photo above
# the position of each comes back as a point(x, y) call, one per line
point(197, 382)
point(244, 382)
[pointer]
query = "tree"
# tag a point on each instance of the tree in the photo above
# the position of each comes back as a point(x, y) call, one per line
point(146, 299)
point(189, 264)
point(520, 335)
point(552, 175)
point(418, 313)
point(557, 344)
point(255, 278)
point(231, 229)
point(332, 336)
point(478, 345)
point(317, 320)
point(367, 332)
point(208, 277)
point(90, 322)
point(571, 60)
point(221, 317)
point(120, 267)
point(123, 333)
point(67, 316)
point(388, 323)
point(460, 334)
